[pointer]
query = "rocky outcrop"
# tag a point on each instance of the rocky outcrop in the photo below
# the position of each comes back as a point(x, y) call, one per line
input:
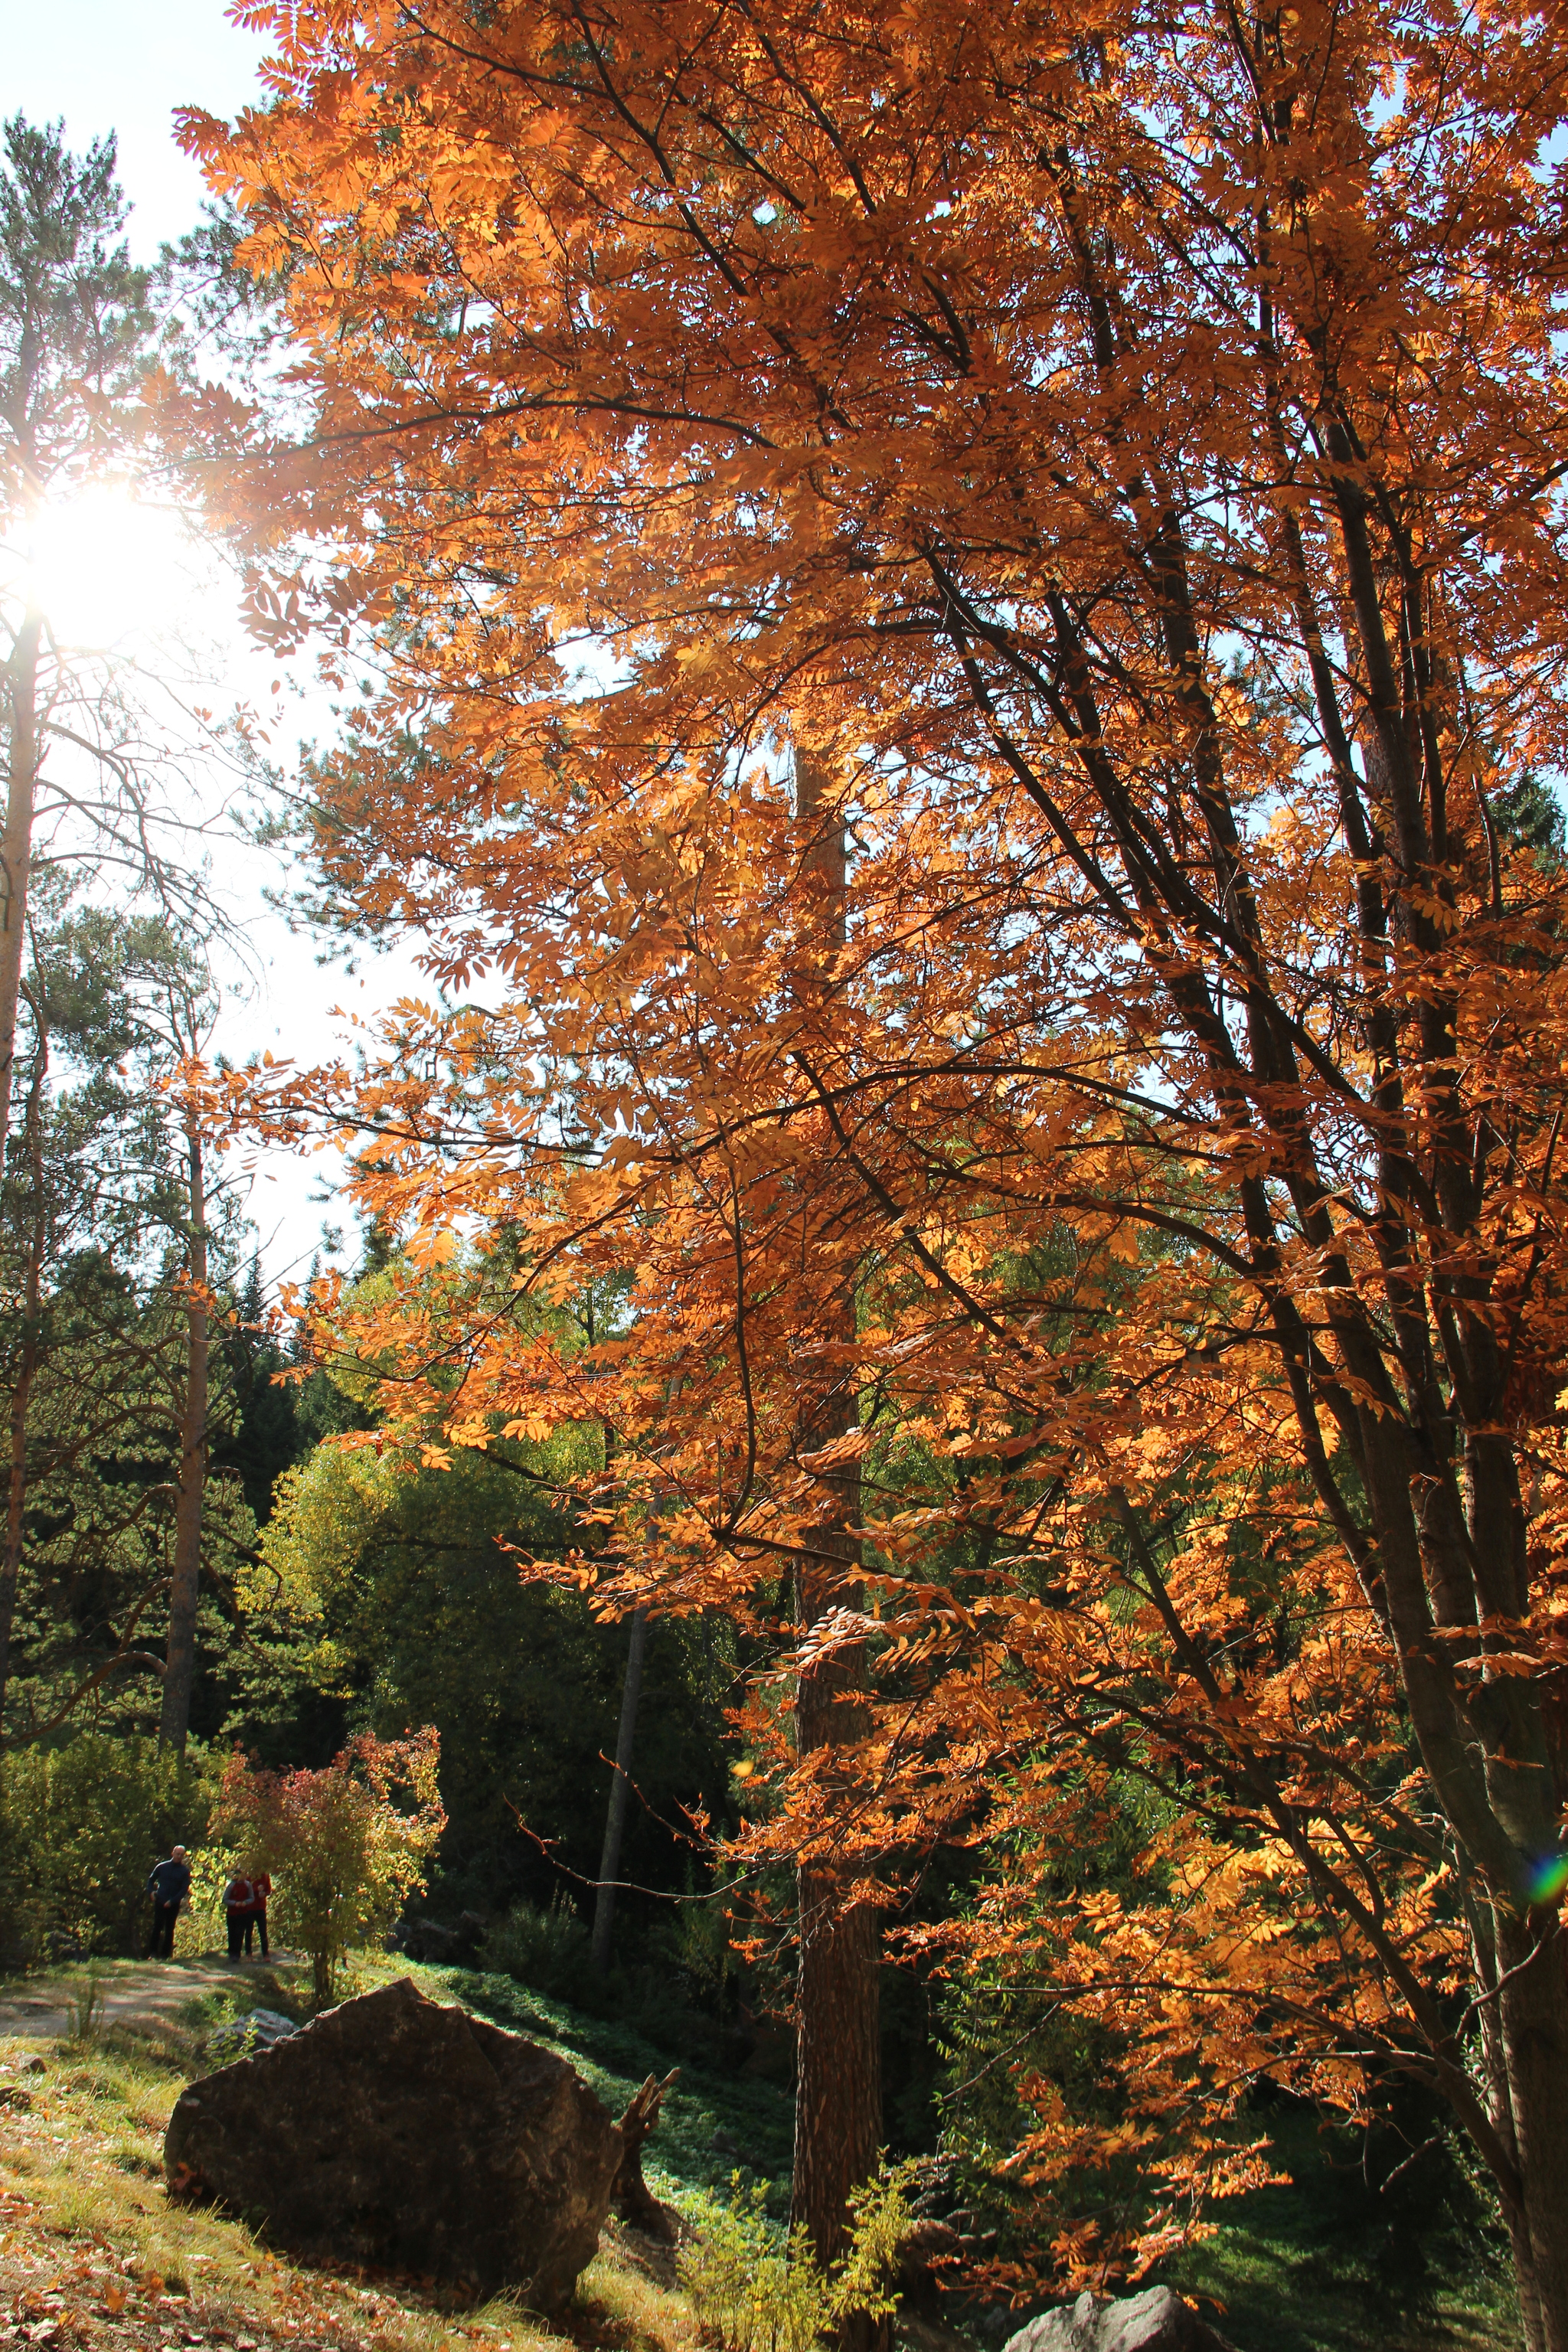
point(1155, 2321)
point(398, 2132)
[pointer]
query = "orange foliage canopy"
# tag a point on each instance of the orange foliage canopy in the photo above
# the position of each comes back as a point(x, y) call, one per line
point(1124, 449)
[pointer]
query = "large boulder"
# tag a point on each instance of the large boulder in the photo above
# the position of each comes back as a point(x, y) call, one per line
point(1155, 2321)
point(398, 2132)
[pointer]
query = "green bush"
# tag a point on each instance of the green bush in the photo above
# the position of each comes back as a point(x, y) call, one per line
point(80, 1827)
point(547, 1950)
point(752, 2290)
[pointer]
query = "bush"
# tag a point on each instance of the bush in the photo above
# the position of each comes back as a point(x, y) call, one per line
point(754, 2291)
point(344, 1851)
point(80, 1827)
point(547, 1950)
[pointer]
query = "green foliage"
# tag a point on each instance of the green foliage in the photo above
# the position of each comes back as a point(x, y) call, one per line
point(80, 1827)
point(1377, 2237)
point(1529, 814)
point(374, 1572)
point(93, 1325)
point(755, 2291)
point(74, 316)
point(545, 1948)
point(266, 1438)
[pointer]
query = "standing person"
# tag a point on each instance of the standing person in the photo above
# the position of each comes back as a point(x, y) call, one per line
point(238, 1898)
point(168, 1885)
point(260, 1889)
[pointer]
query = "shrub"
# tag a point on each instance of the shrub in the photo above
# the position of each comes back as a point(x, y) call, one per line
point(754, 2291)
point(345, 1846)
point(80, 1827)
point(547, 1950)
point(201, 1926)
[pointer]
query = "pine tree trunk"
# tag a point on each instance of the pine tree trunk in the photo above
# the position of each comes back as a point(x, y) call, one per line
point(838, 2079)
point(16, 848)
point(838, 2086)
point(21, 1394)
point(179, 1673)
point(620, 1789)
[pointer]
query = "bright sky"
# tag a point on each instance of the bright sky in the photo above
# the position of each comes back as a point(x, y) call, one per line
point(123, 65)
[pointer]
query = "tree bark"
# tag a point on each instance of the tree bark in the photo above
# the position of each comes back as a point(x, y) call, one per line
point(630, 2195)
point(179, 1673)
point(1534, 2017)
point(17, 847)
point(21, 1394)
point(838, 2086)
point(838, 2078)
point(620, 1789)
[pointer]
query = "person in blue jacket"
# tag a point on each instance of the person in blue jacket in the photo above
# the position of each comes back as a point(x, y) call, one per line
point(169, 1885)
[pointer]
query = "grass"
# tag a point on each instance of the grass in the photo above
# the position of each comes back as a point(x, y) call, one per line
point(1289, 2270)
point(1311, 2267)
point(86, 2231)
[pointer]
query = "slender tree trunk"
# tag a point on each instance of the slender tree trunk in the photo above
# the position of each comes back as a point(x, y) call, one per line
point(620, 1789)
point(21, 1394)
point(838, 2087)
point(17, 847)
point(179, 1673)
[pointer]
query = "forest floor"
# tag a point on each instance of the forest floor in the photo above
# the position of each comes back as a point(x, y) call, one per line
point(93, 2258)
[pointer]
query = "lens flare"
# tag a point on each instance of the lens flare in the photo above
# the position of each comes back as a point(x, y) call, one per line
point(1548, 1879)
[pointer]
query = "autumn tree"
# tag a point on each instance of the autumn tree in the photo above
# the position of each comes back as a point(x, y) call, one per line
point(1125, 454)
point(347, 1845)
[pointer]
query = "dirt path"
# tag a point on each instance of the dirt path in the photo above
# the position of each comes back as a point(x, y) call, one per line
point(146, 1992)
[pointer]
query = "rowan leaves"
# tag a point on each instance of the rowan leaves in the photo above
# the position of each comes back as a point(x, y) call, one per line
point(1104, 474)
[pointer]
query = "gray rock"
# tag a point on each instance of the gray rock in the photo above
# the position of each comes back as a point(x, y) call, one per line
point(243, 2036)
point(398, 2132)
point(1155, 2321)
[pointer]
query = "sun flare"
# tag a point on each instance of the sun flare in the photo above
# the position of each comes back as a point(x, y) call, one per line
point(109, 568)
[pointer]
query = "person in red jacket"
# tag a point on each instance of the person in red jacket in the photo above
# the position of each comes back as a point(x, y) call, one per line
point(260, 1889)
point(238, 1898)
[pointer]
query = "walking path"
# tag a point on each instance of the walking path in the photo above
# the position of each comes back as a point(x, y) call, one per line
point(146, 1992)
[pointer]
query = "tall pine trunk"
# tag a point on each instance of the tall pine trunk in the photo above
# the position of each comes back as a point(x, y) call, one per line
point(620, 1789)
point(838, 2079)
point(17, 847)
point(27, 1370)
point(838, 2086)
point(179, 1671)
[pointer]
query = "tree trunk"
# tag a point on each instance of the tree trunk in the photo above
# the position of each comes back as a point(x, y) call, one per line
point(1534, 1982)
point(630, 2195)
point(21, 1394)
point(179, 1673)
point(838, 2078)
point(16, 848)
point(838, 2086)
point(620, 1789)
